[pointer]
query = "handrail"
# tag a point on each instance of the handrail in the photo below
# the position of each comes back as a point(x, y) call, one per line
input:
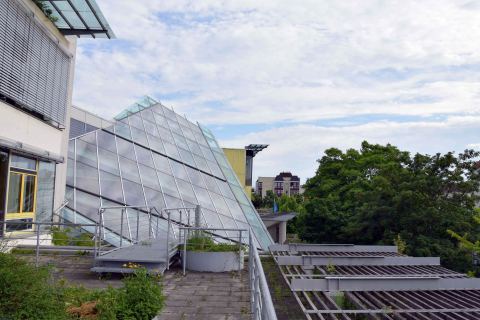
point(260, 299)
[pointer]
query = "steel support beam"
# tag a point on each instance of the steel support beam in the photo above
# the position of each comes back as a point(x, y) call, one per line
point(295, 247)
point(384, 284)
point(356, 261)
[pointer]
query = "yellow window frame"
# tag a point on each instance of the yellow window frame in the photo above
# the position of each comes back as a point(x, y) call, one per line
point(21, 214)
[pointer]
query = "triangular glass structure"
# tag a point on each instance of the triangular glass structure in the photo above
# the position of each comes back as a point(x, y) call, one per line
point(154, 157)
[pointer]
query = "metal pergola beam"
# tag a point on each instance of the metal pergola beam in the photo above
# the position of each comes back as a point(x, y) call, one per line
point(296, 247)
point(356, 261)
point(384, 284)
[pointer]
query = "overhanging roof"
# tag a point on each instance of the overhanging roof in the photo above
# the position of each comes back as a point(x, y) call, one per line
point(80, 18)
point(255, 148)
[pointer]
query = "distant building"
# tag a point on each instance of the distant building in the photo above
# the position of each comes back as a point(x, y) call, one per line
point(241, 161)
point(283, 184)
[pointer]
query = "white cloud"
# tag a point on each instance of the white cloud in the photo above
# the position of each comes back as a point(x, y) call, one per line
point(296, 148)
point(270, 61)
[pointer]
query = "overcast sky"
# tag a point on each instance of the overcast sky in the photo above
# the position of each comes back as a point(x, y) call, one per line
point(301, 76)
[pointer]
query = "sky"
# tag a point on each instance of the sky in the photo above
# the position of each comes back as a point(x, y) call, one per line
point(301, 76)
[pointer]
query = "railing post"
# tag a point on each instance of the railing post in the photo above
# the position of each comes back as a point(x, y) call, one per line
point(95, 243)
point(38, 246)
point(240, 252)
point(149, 224)
point(168, 241)
point(184, 258)
point(121, 227)
point(138, 223)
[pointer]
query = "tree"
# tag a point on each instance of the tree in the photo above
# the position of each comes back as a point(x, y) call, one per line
point(379, 194)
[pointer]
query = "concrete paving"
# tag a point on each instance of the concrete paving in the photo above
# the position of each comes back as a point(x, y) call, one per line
point(203, 295)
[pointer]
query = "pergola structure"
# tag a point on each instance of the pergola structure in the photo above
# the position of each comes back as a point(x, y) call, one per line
point(374, 282)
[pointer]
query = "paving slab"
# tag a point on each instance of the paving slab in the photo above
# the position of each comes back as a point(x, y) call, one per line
point(205, 295)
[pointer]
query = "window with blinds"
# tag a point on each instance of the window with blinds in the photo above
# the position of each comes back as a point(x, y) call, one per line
point(34, 71)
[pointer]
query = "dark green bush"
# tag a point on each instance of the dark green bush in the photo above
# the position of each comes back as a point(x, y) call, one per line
point(27, 293)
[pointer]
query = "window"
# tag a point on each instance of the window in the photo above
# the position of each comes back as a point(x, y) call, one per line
point(22, 189)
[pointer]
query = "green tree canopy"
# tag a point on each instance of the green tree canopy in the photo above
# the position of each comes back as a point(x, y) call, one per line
point(378, 193)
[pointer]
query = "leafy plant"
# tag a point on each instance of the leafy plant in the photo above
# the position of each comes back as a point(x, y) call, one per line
point(46, 10)
point(204, 242)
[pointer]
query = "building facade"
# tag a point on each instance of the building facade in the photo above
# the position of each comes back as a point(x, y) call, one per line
point(36, 76)
point(283, 184)
point(241, 161)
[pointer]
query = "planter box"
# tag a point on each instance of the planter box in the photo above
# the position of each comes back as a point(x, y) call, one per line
point(214, 261)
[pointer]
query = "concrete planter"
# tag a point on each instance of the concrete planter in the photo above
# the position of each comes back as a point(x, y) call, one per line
point(214, 261)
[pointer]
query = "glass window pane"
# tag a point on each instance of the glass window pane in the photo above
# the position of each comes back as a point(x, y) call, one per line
point(235, 210)
point(195, 177)
point(28, 193)
point(125, 148)
point(225, 188)
point(87, 204)
point(151, 128)
point(160, 120)
point(180, 141)
point(136, 121)
point(139, 136)
point(170, 114)
point(187, 157)
point(179, 170)
point(240, 195)
point(23, 163)
point(86, 153)
point(129, 170)
point(87, 178)
point(111, 186)
point(149, 177)
point(173, 202)
point(156, 144)
point(161, 163)
point(168, 184)
point(194, 147)
point(215, 169)
point(212, 218)
point(220, 204)
point(123, 130)
point(172, 151)
point(45, 189)
point(201, 163)
point(203, 198)
point(106, 141)
point(155, 199)
point(14, 188)
point(186, 191)
point(208, 154)
point(108, 161)
point(211, 184)
point(165, 134)
point(133, 193)
point(188, 133)
point(144, 156)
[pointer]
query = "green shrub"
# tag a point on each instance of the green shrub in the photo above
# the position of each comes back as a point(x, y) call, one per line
point(203, 242)
point(26, 292)
point(29, 293)
point(63, 237)
point(60, 237)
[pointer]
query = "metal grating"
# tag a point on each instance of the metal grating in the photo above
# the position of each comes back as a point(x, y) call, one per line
point(34, 71)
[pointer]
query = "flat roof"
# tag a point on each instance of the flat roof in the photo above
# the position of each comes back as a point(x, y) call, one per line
point(82, 18)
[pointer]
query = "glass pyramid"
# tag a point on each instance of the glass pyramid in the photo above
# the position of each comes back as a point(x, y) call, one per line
point(154, 157)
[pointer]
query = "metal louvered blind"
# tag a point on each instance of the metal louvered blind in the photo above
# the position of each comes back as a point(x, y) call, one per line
point(34, 71)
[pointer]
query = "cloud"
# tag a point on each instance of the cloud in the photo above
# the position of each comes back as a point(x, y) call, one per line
point(292, 64)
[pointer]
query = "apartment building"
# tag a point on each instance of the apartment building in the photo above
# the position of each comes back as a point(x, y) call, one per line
point(285, 183)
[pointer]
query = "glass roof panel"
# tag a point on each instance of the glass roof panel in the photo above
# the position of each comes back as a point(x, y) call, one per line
point(80, 18)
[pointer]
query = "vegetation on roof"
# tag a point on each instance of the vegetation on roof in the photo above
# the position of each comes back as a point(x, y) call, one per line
point(46, 10)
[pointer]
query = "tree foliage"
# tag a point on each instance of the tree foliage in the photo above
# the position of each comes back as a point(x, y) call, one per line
point(379, 194)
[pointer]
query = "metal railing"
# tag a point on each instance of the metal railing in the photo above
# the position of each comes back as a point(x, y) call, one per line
point(260, 299)
point(38, 235)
